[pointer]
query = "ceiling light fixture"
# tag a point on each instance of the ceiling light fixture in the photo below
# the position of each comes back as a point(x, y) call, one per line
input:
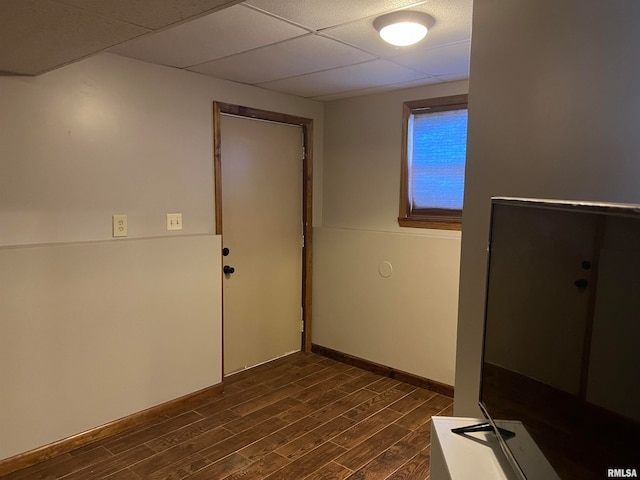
point(403, 28)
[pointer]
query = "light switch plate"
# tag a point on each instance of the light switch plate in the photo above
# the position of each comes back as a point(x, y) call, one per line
point(174, 221)
point(119, 225)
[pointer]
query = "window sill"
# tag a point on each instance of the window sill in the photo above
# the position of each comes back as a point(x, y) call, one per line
point(436, 223)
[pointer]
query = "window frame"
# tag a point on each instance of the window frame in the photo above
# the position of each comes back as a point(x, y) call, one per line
point(435, 218)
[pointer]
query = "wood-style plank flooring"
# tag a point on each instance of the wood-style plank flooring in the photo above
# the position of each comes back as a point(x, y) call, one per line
point(299, 417)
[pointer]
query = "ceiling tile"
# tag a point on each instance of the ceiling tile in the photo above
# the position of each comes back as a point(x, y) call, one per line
point(452, 25)
point(151, 14)
point(229, 31)
point(298, 56)
point(354, 77)
point(450, 59)
point(316, 14)
point(39, 35)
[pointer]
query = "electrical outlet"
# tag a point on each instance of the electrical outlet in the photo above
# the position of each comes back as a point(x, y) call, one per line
point(174, 221)
point(119, 225)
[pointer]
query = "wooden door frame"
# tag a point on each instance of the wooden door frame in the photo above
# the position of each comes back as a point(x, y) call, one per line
point(220, 108)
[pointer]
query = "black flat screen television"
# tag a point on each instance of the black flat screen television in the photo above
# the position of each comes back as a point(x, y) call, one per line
point(561, 350)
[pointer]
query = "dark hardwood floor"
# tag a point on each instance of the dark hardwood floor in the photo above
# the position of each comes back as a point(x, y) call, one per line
point(299, 417)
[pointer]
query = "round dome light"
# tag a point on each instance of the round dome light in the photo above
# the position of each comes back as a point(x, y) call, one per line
point(403, 28)
point(403, 34)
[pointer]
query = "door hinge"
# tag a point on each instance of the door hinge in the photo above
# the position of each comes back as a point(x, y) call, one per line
point(304, 153)
point(302, 319)
point(302, 241)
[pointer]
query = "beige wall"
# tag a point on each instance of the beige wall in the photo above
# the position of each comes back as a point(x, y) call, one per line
point(103, 136)
point(408, 320)
point(553, 113)
point(113, 135)
point(92, 332)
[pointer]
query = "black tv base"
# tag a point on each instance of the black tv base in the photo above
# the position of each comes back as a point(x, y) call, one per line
point(483, 427)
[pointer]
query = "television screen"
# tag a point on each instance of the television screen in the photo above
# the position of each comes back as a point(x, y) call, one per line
point(562, 335)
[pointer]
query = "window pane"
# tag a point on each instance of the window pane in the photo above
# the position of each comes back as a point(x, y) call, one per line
point(437, 159)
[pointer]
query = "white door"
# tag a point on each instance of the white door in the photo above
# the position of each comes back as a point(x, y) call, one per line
point(262, 228)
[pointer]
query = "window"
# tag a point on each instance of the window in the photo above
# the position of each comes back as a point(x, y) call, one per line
point(433, 158)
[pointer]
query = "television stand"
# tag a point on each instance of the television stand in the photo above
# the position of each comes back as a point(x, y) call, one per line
point(478, 455)
point(482, 427)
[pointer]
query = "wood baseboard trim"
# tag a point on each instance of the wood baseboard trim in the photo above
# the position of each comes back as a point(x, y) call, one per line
point(410, 378)
point(68, 444)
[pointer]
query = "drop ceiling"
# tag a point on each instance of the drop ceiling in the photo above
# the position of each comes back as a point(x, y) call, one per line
point(319, 49)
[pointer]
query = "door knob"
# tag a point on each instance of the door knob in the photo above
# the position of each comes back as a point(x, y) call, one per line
point(228, 270)
point(581, 283)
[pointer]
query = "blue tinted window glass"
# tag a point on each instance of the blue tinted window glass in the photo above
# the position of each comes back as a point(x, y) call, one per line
point(438, 156)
